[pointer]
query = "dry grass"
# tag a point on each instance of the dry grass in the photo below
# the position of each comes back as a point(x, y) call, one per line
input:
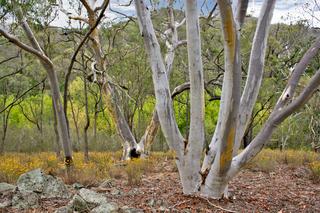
point(315, 171)
point(267, 160)
point(104, 165)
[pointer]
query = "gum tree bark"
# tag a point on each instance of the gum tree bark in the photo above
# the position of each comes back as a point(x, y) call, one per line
point(36, 50)
point(255, 73)
point(148, 138)
point(109, 89)
point(221, 162)
point(160, 80)
point(190, 164)
point(223, 139)
point(109, 92)
point(56, 133)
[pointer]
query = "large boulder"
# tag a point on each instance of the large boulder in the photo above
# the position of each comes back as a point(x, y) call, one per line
point(91, 201)
point(46, 185)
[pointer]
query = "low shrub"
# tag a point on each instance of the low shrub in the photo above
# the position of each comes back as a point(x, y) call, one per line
point(264, 161)
point(315, 171)
point(134, 170)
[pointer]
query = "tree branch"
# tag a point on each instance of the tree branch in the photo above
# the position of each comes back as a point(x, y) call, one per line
point(23, 94)
point(255, 73)
point(74, 56)
point(25, 47)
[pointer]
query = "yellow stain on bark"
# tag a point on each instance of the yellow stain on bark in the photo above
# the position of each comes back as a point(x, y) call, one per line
point(226, 155)
point(230, 34)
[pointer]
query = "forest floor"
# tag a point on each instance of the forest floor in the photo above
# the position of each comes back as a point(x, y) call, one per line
point(282, 188)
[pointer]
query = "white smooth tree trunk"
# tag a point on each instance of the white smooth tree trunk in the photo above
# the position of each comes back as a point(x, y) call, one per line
point(190, 165)
point(172, 44)
point(215, 182)
point(160, 80)
point(255, 72)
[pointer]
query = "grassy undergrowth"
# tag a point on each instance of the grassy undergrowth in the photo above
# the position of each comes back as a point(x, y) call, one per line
point(105, 165)
point(269, 159)
point(101, 166)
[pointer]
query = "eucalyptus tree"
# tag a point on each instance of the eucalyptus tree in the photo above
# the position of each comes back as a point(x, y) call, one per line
point(110, 88)
point(221, 162)
point(35, 49)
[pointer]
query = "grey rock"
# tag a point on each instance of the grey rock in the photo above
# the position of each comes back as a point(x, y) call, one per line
point(54, 187)
point(77, 186)
point(64, 209)
point(79, 204)
point(32, 181)
point(25, 199)
point(92, 197)
point(126, 209)
point(106, 208)
point(115, 192)
point(5, 187)
point(107, 184)
point(47, 185)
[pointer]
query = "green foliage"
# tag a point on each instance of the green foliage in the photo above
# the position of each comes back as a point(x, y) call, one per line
point(129, 69)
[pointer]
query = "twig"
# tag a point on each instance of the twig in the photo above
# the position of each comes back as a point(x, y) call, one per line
point(216, 206)
point(23, 94)
point(13, 73)
point(178, 204)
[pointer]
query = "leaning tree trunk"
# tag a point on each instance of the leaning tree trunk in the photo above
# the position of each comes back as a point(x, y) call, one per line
point(56, 133)
point(129, 142)
point(52, 76)
point(148, 138)
point(108, 88)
